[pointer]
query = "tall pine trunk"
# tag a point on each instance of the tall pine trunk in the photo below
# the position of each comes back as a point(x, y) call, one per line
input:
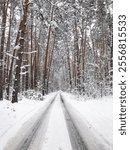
point(45, 70)
point(22, 31)
point(5, 7)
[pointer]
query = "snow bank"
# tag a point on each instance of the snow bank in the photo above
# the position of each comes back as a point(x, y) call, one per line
point(93, 119)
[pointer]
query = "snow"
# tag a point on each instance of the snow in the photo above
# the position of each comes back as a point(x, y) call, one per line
point(93, 119)
point(14, 116)
point(17, 47)
point(24, 73)
point(57, 136)
point(11, 55)
point(29, 52)
point(60, 4)
point(53, 23)
point(23, 67)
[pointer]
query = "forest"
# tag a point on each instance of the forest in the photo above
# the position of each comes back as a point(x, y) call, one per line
point(51, 45)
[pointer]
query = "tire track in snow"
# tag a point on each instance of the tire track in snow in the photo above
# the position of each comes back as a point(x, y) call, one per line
point(28, 132)
point(91, 138)
point(57, 136)
point(30, 142)
point(75, 138)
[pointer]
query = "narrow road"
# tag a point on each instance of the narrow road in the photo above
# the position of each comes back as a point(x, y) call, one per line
point(54, 129)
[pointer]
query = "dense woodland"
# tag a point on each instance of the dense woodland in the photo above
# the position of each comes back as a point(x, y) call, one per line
point(49, 45)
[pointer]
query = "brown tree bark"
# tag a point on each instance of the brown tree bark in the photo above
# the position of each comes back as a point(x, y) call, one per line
point(45, 70)
point(78, 55)
point(10, 71)
point(31, 60)
point(7, 62)
point(50, 62)
point(22, 31)
point(4, 17)
point(27, 64)
point(36, 61)
point(68, 61)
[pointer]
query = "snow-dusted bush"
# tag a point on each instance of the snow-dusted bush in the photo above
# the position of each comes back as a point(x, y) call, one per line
point(33, 95)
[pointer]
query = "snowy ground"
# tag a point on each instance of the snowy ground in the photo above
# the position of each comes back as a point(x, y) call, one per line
point(14, 116)
point(93, 119)
point(30, 123)
point(57, 137)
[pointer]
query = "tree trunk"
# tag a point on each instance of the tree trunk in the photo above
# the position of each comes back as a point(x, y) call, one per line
point(19, 53)
point(45, 70)
point(68, 61)
point(76, 45)
point(5, 7)
point(7, 62)
point(31, 71)
point(50, 62)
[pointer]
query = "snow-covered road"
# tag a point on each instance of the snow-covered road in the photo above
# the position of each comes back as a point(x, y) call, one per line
point(94, 138)
point(54, 126)
point(22, 132)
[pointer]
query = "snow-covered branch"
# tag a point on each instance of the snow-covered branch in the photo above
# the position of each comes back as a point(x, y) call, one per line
point(11, 55)
point(29, 52)
point(24, 73)
point(23, 67)
point(17, 47)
